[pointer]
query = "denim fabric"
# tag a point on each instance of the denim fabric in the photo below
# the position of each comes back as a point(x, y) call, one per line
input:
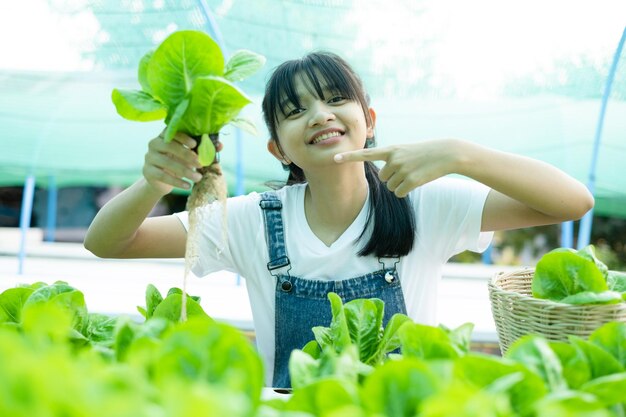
point(302, 304)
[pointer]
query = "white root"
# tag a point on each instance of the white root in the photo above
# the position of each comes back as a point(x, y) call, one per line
point(210, 189)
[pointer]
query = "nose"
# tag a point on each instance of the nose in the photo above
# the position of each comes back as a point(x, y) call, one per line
point(321, 114)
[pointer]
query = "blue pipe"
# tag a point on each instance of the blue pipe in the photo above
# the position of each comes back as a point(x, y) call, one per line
point(567, 234)
point(214, 31)
point(25, 214)
point(584, 235)
point(51, 218)
point(486, 256)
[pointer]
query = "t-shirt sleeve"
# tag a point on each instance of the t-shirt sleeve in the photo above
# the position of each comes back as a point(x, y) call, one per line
point(220, 248)
point(449, 215)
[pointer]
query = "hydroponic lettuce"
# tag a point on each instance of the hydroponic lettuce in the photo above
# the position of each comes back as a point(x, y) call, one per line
point(157, 368)
point(166, 368)
point(436, 375)
point(577, 277)
point(186, 82)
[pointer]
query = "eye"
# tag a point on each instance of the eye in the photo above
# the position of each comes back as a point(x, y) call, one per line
point(294, 112)
point(336, 99)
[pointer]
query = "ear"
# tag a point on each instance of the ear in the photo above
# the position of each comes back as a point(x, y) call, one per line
point(275, 150)
point(370, 129)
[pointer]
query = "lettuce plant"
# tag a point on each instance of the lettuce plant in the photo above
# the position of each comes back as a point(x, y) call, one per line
point(186, 82)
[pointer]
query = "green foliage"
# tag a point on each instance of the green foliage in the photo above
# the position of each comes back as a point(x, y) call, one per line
point(157, 368)
point(399, 387)
point(186, 82)
point(359, 323)
point(427, 342)
point(524, 386)
point(67, 362)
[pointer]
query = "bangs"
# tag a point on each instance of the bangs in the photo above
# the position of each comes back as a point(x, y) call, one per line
point(320, 73)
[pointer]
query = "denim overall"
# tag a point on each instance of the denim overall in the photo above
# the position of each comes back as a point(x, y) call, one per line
point(302, 304)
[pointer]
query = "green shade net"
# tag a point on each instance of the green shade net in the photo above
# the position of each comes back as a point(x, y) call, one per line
point(504, 77)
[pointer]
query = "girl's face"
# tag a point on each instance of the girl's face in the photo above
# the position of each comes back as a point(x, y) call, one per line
point(311, 132)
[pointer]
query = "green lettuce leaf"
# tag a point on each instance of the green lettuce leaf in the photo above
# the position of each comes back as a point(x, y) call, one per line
point(364, 318)
point(601, 362)
point(576, 369)
point(483, 370)
point(246, 125)
point(213, 102)
point(564, 272)
point(138, 106)
point(590, 297)
point(398, 388)
point(178, 61)
point(426, 342)
point(608, 389)
point(616, 281)
point(142, 72)
point(611, 337)
point(535, 353)
point(206, 150)
point(242, 64)
point(11, 303)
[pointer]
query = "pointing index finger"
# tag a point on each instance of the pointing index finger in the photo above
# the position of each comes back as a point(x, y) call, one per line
point(369, 154)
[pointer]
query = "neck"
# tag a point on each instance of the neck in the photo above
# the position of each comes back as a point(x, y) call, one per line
point(334, 199)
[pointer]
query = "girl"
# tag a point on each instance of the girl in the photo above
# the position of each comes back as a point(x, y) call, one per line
point(339, 224)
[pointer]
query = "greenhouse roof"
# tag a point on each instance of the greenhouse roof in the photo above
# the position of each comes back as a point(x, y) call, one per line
point(433, 69)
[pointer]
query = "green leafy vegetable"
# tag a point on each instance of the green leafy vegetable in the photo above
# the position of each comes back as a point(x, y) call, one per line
point(398, 388)
point(611, 337)
point(359, 323)
point(186, 82)
point(565, 272)
point(577, 277)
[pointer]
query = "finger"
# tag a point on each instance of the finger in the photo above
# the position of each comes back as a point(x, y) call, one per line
point(185, 141)
point(153, 173)
point(394, 182)
point(170, 164)
point(386, 172)
point(178, 150)
point(410, 182)
point(404, 189)
point(370, 154)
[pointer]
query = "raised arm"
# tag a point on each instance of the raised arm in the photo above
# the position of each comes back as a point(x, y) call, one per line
point(122, 229)
point(525, 192)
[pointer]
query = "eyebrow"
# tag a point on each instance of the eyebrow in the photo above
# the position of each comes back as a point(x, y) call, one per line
point(326, 90)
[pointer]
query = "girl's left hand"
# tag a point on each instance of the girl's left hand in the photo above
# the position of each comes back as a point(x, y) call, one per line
point(411, 165)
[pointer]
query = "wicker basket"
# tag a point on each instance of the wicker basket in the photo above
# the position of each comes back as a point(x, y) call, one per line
point(517, 313)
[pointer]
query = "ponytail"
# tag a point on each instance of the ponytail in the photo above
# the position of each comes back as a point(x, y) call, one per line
point(393, 229)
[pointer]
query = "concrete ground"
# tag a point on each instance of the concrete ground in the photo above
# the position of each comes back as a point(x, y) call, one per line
point(118, 286)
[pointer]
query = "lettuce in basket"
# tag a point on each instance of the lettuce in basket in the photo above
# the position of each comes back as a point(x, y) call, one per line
point(577, 277)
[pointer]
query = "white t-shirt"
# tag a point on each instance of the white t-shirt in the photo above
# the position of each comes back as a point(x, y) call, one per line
point(448, 215)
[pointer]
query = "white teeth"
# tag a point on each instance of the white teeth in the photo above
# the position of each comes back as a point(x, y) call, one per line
point(324, 137)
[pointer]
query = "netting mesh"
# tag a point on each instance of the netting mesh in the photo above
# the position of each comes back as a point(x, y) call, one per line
point(505, 76)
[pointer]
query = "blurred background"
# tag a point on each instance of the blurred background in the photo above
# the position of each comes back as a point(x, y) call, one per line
point(546, 79)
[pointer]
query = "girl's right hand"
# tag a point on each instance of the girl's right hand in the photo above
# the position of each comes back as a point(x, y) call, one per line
point(166, 164)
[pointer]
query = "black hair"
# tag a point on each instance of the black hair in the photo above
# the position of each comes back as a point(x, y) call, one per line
point(391, 218)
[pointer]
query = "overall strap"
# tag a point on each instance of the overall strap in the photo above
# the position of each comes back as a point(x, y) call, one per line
point(274, 231)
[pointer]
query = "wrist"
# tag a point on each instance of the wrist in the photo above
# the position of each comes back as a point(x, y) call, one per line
point(152, 191)
point(465, 155)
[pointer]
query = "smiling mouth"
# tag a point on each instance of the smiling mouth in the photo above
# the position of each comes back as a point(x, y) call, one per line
point(325, 136)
